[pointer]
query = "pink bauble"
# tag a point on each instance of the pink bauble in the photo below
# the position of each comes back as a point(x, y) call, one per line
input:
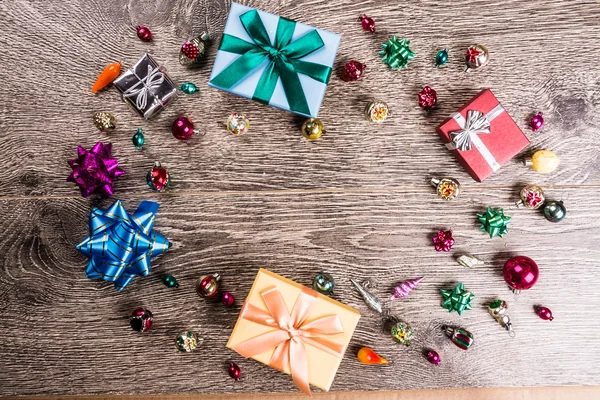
point(521, 272)
point(182, 128)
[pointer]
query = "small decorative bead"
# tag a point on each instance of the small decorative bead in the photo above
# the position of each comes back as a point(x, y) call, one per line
point(158, 178)
point(237, 123)
point(170, 281)
point(377, 111)
point(227, 299)
point(187, 341)
point(537, 122)
point(427, 98)
point(544, 313)
point(312, 129)
point(208, 285)
point(441, 57)
point(433, 357)
point(234, 371)
point(367, 23)
point(144, 34)
point(104, 121)
point(140, 320)
point(138, 138)
point(323, 283)
point(353, 71)
point(188, 88)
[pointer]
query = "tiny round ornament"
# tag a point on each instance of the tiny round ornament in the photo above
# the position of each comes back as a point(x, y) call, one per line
point(323, 283)
point(441, 57)
point(140, 320)
point(537, 122)
point(208, 285)
point(521, 273)
point(237, 123)
point(446, 188)
point(187, 341)
point(427, 98)
point(227, 299)
point(476, 57)
point(188, 88)
point(555, 211)
point(312, 128)
point(183, 128)
point(443, 240)
point(138, 138)
point(192, 51)
point(144, 34)
point(170, 281)
point(367, 355)
point(544, 313)
point(367, 23)
point(377, 111)
point(234, 371)
point(532, 196)
point(103, 121)
point(543, 161)
point(433, 357)
point(403, 333)
point(353, 71)
point(158, 178)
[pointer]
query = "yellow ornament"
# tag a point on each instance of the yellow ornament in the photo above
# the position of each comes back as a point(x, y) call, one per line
point(312, 128)
point(543, 161)
point(104, 121)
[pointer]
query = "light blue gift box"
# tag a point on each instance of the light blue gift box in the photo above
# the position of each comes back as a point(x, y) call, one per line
point(314, 90)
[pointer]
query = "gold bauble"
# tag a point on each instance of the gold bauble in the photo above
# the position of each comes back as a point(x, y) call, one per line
point(104, 121)
point(312, 128)
point(543, 161)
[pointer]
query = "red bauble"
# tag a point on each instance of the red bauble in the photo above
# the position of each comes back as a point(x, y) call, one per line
point(367, 23)
point(433, 357)
point(544, 313)
point(144, 34)
point(190, 50)
point(427, 98)
point(182, 128)
point(353, 71)
point(234, 371)
point(521, 273)
point(158, 178)
point(227, 299)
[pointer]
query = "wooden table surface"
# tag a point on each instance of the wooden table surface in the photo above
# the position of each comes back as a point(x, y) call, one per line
point(357, 203)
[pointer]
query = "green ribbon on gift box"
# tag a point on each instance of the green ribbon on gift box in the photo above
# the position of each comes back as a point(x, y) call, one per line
point(284, 56)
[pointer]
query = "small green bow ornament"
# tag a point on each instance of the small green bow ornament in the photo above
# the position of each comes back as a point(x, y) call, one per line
point(457, 299)
point(494, 222)
point(396, 53)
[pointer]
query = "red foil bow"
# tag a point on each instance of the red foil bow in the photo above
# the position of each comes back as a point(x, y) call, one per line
point(292, 333)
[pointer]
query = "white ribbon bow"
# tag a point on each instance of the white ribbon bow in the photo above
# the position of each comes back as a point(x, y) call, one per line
point(153, 80)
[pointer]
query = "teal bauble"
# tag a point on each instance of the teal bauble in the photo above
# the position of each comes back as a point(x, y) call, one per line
point(441, 57)
point(170, 281)
point(555, 211)
point(188, 88)
point(323, 283)
point(138, 138)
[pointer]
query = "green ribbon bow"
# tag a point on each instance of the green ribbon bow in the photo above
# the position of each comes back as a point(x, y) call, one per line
point(494, 222)
point(284, 56)
point(457, 299)
point(396, 53)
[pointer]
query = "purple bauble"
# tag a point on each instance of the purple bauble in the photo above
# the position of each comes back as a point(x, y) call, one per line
point(537, 122)
point(227, 299)
point(182, 128)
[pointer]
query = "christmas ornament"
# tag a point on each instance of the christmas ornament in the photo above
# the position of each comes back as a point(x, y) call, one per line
point(543, 161)
point(433, 357)
point(188, 88)
point(377, 111)
point(427, 98)
point(457, 299)
point(104, 121)
point(140, 320)
point(183, 128)
point(441, 57)
point(158, 178)
point(120, 245)
point(138, 139)
point(94, 170)
point(371, 301)
point(521, 273)
point(234, 371)
point(494, 222)
point(368, 356)
point(446, 188)
point(367, 23)
point(544, 313)
point(460, 337)
point(353, 71)
point(237, 123)
point(537, 122)
point(187, 341)
point(469, 260)
point(396, 53)
point(106, 77)
point(323, 283)
point(144, 34)
point(532, 197)
point(192, 51)
point(555, 211)
point(170, 281)
point(476, 57)
point(403, 289)
point(443, 241)
point(208, 286)
point(403, 333)
point(312, 128)
point(497, 309)
point(227, 299)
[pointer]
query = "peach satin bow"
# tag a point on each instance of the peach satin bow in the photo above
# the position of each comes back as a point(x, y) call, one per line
point(291, 333)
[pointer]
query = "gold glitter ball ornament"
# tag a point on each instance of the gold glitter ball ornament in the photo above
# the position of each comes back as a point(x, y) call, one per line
point(104, 121)
point(377, 111)
point(446, 188)
point(312, 128)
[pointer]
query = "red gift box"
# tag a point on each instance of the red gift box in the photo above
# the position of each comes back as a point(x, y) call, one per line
point(482, 135)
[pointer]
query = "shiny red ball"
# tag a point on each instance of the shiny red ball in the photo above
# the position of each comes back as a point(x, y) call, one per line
point(544, 313)
point(433, 357)
point(227, 299)
point(141, 320)
point(521, 272)
point(353, 71)
point(537, 122)
point(234, 371)
point(158, 179)
point(427, 98)
point(367, 23)
point(144, 34)
point(182, 128)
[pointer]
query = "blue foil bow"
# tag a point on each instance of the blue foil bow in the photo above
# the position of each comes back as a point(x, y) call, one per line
point(120, 245)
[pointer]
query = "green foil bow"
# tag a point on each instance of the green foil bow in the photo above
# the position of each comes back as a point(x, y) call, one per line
point(494, 222)
point(284, 56)
point(457, 299)
point(396, 53)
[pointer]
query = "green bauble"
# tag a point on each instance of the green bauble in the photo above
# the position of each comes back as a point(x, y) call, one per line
point(323, 283)
point(441, 57)
point(555, 211)
point(138, 138)
point(170, 281)
point(188, 88)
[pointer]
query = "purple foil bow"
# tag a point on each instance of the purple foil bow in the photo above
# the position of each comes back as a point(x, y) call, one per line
point(95, 170)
